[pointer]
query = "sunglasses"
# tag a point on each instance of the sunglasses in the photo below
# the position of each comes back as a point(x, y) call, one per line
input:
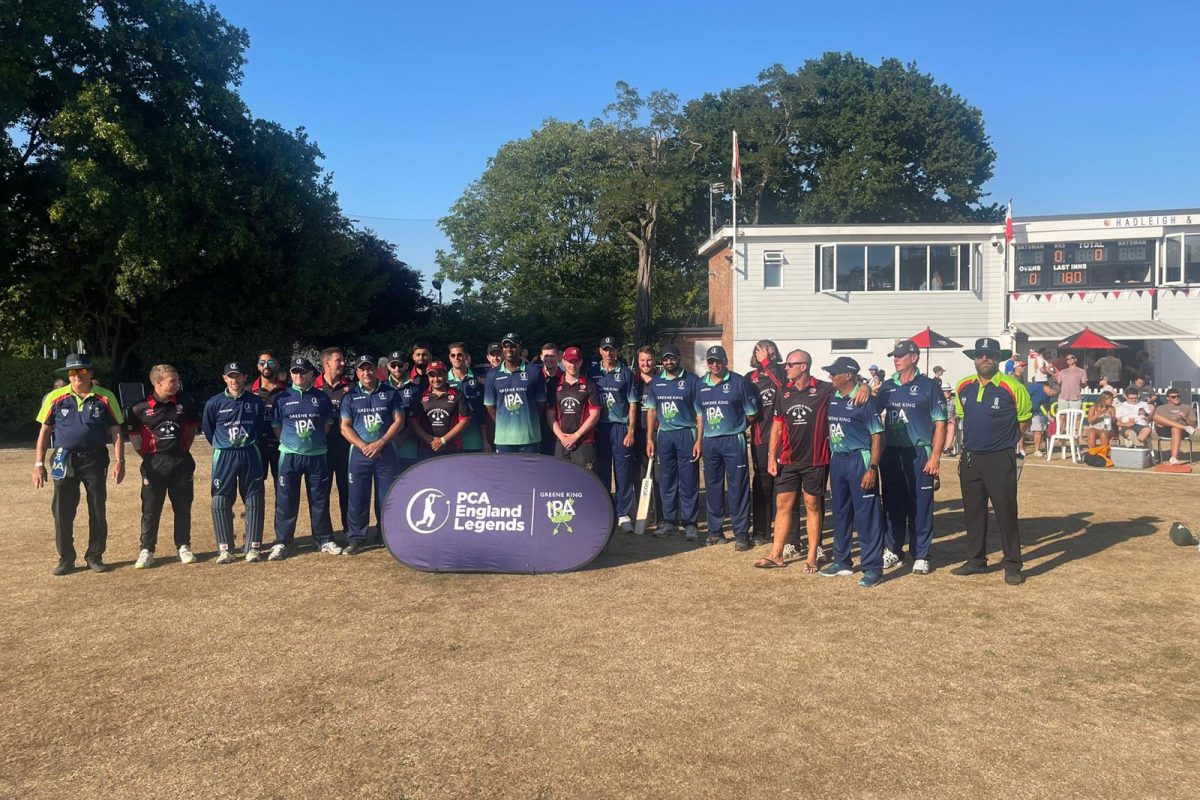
point(82, 371)
point(715, 361)
point(262, 362)
point(1172, 397)
point(458, 355)
point(797, 363)
point(299, 372)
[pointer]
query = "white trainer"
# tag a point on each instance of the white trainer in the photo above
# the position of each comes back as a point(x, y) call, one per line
point(225, 557)
point(921, 566)
point(186, 556)
point(820, 554)
point(144, 559)
point(278, 552)
point(790, 551)
point(331, 548)
point(253, 554)
point(890, 559)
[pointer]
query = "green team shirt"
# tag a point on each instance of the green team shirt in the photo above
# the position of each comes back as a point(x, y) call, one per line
point(518, 397)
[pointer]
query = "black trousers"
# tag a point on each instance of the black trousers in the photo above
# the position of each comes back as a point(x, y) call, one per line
point(983, 477)
point(584, 453)
point(166, 476)
point(270, 455)
point(89, 470)
point(338, 456)
point(762, 493)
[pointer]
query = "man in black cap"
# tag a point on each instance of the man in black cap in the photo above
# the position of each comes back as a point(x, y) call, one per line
point(231, 425)
point(515, 397)
point(672, 424)
point(397, 369)
point(728, 406)
point(615, 434)
point(995, 411)
point(371, 417)
point(81, 416)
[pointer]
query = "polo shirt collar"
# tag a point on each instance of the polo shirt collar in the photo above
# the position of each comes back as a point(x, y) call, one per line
point(616, 367)
point(235, 396)
point(666, 376)
point(896, 377)
point(504, 367)
point(708, 378)
point(152, 401)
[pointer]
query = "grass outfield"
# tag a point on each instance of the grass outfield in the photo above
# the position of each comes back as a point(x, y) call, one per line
point(661, 671)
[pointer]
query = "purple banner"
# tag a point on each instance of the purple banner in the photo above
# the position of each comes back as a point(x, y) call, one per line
point(495, 512)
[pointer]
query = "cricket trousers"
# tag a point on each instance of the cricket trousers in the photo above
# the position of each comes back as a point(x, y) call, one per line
point(614, 459)
point(678, 476)
point(337, 455)
point(163, 476)
point(762, 490)
point(237, 470)
point(983, 477)
point(315, 473)
point(855, 509)
point(727, 476)
point(88, 469)
point(907, 500)
point(364, 474)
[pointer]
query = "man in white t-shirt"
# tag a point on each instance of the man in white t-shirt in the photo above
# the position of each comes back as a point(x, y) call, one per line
point(1133, 417)
point(1037, 366)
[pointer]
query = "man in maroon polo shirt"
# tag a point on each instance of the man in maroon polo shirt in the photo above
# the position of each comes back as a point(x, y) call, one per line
point(271, 381)
point(444, 414)
point(768, 376)
point(573, 410)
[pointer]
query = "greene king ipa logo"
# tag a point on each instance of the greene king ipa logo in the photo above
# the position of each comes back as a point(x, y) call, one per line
point(560, 510)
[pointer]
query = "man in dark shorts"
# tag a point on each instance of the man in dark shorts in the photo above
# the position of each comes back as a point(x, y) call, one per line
point(573, 411)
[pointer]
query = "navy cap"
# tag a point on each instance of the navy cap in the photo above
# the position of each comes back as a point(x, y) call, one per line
point(365, 359)
point(842, 364)
point(905, 347)
point(300, 362)
point(397, 357)
point(609, 341)
point(511, 338)
point(990, 346)
point(235, 366)
point(670, 350)
point(717, 352)
point(494, 349)
point(78, 361)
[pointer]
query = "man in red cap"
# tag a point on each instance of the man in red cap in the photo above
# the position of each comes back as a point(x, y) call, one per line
point(444, 414)
point(573, 410)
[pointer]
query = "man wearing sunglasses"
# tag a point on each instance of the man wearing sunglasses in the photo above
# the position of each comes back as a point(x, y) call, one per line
point(303, 417)
point(371, 417)
point(462, 377)
point(231, 424)
point(82, 417)
point(271, 381)
point(728, 406)
point(1175, 419)
point(615, 434)
point(672, 423)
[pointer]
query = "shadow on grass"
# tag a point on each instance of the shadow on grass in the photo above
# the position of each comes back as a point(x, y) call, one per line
point(1061, 540)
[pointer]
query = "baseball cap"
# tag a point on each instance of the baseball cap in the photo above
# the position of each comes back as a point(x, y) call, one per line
point(438, 367)
point(717, 352)
point(302, 363)
point(235, 366)
point(364, 360)
point(572, 354)
point(511, 338)
point(670, 351)
point(397, 357)
point(842, 364)
point(609, 341)
point(873, 367)
point(905, 347)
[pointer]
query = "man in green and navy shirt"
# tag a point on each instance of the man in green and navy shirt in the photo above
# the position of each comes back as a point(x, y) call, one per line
point(462, 377)
point(672, 424)
point(619, 396)
point(231, 423)
point(915, 433)
point(995, 411)
point(303, 417)
point(515, 397)
point(728, 405)
point(371, 418)
point(82, 417)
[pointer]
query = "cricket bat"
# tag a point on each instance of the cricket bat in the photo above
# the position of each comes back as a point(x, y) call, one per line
point(644, 499)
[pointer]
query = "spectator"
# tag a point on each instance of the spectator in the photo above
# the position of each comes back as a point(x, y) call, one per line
point(1041, 395)
point(1102, 419)
point(1143, 366)
point(1018, 369)
point(1133, 418)
point(948, 400)
point(876, 379)
point(1038, 366)
point(1071, 381)
point(1146, 394)
point(1175, 419)
point(1109, 369)
point(939, 373)
point(1088, 364)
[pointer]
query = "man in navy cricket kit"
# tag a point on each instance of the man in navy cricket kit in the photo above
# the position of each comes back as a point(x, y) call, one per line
point(371, 418)
point(768, 377)
point(462, 377)
point(856, 445)
point(303, 417)
point(231, 425)
point(728, 405)
point(619, 397)
point(915, 432)
point(515, 397)
point(81, 417)
point(573, 411)
point(163, 427)
point(995, 411)
point(333, 382)
point(672, 425)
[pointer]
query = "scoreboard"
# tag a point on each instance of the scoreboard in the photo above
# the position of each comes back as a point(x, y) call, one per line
point(1079, 265)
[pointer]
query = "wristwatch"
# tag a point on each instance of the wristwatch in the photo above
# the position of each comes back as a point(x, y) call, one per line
point(38, 464)
point(874, 467)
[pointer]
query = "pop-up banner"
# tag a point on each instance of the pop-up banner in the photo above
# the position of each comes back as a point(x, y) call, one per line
point(496, 512)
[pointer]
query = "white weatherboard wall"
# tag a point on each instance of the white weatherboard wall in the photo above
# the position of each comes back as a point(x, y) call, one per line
point(797, 315)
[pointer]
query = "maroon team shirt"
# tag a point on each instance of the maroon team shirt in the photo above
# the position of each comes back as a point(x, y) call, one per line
point(572, 402)
point(768, 380)
point(802, 411)
point(167, 427)
point(441, 413)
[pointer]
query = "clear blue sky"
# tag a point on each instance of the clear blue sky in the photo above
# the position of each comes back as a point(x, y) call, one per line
point(1090, 106)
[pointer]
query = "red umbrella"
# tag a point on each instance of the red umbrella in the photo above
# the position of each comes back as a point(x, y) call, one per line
point(931, 339)
point(1088, 339)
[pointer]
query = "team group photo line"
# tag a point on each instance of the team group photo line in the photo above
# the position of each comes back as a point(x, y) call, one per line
point(773, 443)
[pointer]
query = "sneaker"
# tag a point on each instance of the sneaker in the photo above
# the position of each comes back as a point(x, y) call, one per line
point(63, 567)
point(664, 530)
point(144, 559)
point(742, 543)
point(353, 548)
point(625, 524)
point(225, 557)
point(760, 539)
point(186, 556)
point(1013, 577)
point(278, 552)
point(96, 564)
point(691, 534)
point(921, 566)
point(253, 555)
point(820, 554)
point(331, 548)
point(790, 551)
point(969, 569)
point(1176, 461)
point(890, 559)
point(871, 578)
point(835, 569)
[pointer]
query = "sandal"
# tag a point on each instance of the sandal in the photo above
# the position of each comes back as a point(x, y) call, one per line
point(810, 568)
point(769, 563)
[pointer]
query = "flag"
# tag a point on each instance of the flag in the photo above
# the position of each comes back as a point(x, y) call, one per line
point(735, 174)
point(1008, 229)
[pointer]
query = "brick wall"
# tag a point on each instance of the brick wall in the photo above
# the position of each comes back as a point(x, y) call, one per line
point(720, 295)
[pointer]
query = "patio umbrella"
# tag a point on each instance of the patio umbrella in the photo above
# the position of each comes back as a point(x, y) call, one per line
point(1088, 339)
point(932, 340)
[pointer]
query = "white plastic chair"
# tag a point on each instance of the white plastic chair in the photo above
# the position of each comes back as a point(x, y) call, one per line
point(1068, 429)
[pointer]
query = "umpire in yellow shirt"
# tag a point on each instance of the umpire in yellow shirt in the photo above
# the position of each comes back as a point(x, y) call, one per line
point(995, 410)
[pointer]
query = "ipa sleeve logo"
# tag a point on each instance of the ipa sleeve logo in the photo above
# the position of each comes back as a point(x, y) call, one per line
point(428, 511)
